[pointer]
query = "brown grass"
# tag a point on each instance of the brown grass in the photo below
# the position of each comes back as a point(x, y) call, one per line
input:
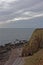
point(36, 59)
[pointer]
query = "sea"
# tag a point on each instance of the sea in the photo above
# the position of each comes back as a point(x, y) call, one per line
point(11, 34)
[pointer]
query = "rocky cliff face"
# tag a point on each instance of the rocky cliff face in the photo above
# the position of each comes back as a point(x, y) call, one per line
point(35, 42)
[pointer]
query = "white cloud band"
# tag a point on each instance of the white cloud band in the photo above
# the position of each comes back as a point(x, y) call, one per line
point(23, 18)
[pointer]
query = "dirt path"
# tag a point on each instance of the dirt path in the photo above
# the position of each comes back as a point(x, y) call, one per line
point(18, 61)
point(14, 58)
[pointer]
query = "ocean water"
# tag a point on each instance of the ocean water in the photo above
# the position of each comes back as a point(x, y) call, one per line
point(11, 34)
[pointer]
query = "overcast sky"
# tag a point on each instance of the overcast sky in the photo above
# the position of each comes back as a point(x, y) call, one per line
point(21, 13)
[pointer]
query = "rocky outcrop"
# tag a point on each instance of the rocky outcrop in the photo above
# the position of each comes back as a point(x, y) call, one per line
point(26, 50)
point(5, 52)
point(35, 42)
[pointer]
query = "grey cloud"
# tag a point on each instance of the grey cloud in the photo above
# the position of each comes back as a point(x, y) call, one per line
point(35, 23)
point(12, 9)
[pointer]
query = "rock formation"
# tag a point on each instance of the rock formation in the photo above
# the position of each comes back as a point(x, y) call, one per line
point(4, 54)
point(35, 42)
point(6, 51)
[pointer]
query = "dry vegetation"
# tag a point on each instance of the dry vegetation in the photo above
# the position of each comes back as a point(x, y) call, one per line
point(36, 59)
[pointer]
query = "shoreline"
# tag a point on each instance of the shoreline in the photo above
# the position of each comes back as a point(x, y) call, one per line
point(7, 50)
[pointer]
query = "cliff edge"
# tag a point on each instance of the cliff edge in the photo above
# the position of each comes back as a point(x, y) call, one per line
point(34, 44)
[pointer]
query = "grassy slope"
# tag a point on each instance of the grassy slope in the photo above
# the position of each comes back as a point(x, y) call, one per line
point(36, 59)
